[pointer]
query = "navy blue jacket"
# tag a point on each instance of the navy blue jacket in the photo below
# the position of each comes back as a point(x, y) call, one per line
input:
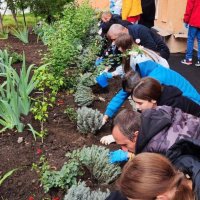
point(149, 39)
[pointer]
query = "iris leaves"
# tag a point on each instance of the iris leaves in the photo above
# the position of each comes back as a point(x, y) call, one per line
point(14, 95)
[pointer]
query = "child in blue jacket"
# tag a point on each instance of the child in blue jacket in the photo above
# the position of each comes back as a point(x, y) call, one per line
point(163, 75)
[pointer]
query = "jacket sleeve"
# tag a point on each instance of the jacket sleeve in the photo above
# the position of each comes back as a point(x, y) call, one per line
point(188, 11)
point(149, 43)
point(116, 102)
point(126, 7)
point(186, 105)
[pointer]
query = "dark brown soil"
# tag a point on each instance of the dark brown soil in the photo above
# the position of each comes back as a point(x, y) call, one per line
point(62, 135)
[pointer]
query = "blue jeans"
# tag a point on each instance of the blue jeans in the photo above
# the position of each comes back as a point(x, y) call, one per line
point(193, 33)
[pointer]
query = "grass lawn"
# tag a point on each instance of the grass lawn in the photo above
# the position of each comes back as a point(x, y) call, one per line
point(8, 20)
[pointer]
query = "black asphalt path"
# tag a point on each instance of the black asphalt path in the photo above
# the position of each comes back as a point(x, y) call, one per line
point(191, 73)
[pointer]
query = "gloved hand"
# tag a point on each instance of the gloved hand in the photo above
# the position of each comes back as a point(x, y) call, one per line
point(109, 74)
point(98, 61)
point(107, 139)
point(186, 25)
point(102, 79)
point(118, 156)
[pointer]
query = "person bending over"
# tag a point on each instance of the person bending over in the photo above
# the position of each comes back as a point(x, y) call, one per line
point(108, 19)
point(154, 70)
point(164, 130)
point(149, 93)
point(152, 176)
point(146, 36)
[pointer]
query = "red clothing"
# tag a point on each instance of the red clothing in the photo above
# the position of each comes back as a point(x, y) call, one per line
point(133, 19)
point(192, 13)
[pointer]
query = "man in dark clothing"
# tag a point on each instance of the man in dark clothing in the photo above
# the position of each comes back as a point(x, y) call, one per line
point(147, 37)
point(108, 19)
point(163, 130)
point(148, 13)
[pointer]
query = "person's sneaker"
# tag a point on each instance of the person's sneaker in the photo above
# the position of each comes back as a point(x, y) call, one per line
point(197, 63)
point(186, 61)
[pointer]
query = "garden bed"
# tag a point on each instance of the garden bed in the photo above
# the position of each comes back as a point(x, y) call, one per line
point(62, 135)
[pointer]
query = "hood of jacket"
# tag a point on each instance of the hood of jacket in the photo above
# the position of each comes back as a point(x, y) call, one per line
point(146, 67)
point(152, 122)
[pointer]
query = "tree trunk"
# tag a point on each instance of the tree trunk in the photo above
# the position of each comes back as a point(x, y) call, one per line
point(1, 23)
point(15, 17)
point(1, 18)
point(24, 17)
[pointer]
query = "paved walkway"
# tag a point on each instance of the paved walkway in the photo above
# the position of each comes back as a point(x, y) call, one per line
point(192, 73)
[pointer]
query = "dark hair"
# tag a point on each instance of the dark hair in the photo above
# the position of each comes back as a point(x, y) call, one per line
point(149, 175)
point(128, 121)
point(147, 89)
point(125, 41)
point(130, 80)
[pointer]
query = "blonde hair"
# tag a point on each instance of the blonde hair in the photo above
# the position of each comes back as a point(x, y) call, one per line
point(149, 175)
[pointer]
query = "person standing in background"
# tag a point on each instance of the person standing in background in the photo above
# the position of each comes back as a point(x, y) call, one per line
point(131, 10)
point(148, 13)
point(116, 6)
point(192, 22)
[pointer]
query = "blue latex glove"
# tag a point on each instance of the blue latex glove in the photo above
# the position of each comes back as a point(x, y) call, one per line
point(109, 74)
point(98, 61)
point(186, 25)
point(118, 156)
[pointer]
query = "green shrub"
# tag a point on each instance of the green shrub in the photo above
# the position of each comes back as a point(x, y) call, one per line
point(44, 31)
point(92, 45)
point(65, 45)
point(95, 159)
point(66, 177)
point(89, 120)
point(71, 113)
point(82, 192)
point(87, 79)
point(84, 96)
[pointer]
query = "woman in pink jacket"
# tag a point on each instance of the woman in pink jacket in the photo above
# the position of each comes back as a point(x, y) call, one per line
point(192, 22)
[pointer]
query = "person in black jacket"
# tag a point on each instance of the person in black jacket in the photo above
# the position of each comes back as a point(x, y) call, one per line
point(149, 93)
point(148, 13)
point(145, 37)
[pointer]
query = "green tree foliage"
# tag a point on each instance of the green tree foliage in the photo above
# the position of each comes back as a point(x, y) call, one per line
point(47, 8)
